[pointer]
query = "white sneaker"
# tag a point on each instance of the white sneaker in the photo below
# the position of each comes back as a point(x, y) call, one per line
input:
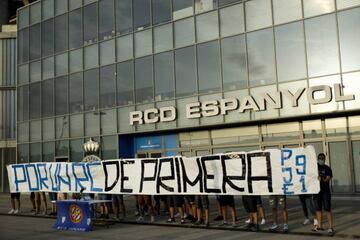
point(152, 219)
point(12, 211)
point(315, 222)
point(17, 211)
point(306, 221)
point(263, 221)
point(247, 221)
point(273, 228)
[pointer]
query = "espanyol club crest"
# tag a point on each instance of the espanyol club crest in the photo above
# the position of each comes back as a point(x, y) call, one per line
point(75, 213)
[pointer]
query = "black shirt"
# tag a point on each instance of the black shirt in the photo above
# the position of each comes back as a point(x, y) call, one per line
point(324, 171)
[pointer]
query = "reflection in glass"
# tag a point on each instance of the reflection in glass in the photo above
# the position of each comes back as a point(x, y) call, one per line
point(61, 95)
point(23, 103)
point(76, 60)
point(164, 76)
point(23, 44)
point(234, 63)
point(91, 97)
point(35, 152)
point(47, 37)
point(261, 57)
point(143, 43)
point(61, 64)
point(35, 130)
point(317, 7)
point(106, 19)
point(225, 2)
point(34, 100)
point(47, 96)
point(258, 14)
point(48, 150)
point(142, 10)
point(35, 71)
point(76, 152)
point(107, 53)
point(48, 129)
point(205, 5)
point(184, 32)
point(35, 13)
point(91, 56)
point(75, 96)
point(62, 148)
point(124, 48)
point(48, 68)
point(182, 8)
point(108, 122)
point(322, 46)
point(61, 6)
point(161, 11)
point(341, 4)
point(335, 126)
point(163, 38)
point(340, 166)
point(185, 71)
point(109, 147)
point(207, 26)
point(23, 17)
point(352, 87)
point(286, 10)
point(143, 80)
point(23, 153)
point(62, 127)
point(125, 83)
point(35, 42)
point(209, 67)
point(61, 33)
point(90, 24)
point(23, 74)
point(75, 30)
point(76, 125)
point(123, 12)
point(92, 127)
point(232, 20)
point(290, 52)
point(107, 86)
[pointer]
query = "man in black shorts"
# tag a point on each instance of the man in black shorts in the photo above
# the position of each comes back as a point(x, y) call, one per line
point(323, 198)
point(15, 208)
point(250, 205)
point(225, 201)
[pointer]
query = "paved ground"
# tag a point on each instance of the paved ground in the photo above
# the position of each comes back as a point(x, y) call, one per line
point(27, 226)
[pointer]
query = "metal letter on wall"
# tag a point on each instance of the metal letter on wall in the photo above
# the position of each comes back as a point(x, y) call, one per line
point(324, 88)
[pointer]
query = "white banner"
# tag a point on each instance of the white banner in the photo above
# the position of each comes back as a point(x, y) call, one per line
point(268, 172)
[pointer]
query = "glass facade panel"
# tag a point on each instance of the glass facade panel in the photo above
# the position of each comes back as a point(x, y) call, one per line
point(184, 32)
point(124, 48)
point(35, 71)
point(35, 13)
point(48, 152)
point(61, 95)
point(226, 2)
point(23, 42)
point(61, 6)
point(61, 33)
point(182, 8)
point(290, 52)
point(312, 128)
point(23, 132)
point(75, 96)
point(47, 96)
point(232, 20)
point(164, 76)
point(185, 71)
point(48, 68)
point(34, 42)
point(91, 89)
point(23, 103)
point(23, 17)
point(352, 87)
point(286, 10)
point(35, 100)
point(61, 64)
point(125, 83)
point(76, 152)
point(92, 127)
point(107, 86)
point(163, 38)
point(123, 12)
point(76, 125)
point(143, 43)
point(335, 126)
point(340, 166)
point(207, 26)
point(261, 57)
point(106, 19)
point(341, 4)
point(23, 74)
point(354, 125)
point(62, 148)
point(62, 127)
point(108, 122)
point(75, 29)
point(205, 5)
point(258, 14)
point(123, 119)
point(74, 4)
point(143, 80)
point(91, 58)
point(107, 53)
point(322, 46)
point(23, 153)
point(47, 37)
point(76, 60)
point(47, 9)
point(142, 9)
point(161, 11)
point(48, 129)
point(349, 39)
point(35, 152)
point(313, 8)
point(90, 23)
point(356, 157)
point(35, 130)
point(234, 63)
point(209, 67)
point(109, 147)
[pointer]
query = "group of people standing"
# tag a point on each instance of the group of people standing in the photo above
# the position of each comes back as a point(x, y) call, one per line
point(195, 209)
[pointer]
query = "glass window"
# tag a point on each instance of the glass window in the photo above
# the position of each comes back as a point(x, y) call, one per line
point(47, 9)
point(258, 14)
point(91, 89)
point(205, 5)
point(312, 128)
point(23, 132)
point(322, 46)
point(207, 26)
point(75, 92)
point(92, 127)
point(108, 122)
point(76, 125)
point(35, 100)
point(106, 19)
point(349, 39)
point(312, 8)
point(142, 10)
point(161, 11)
point(182, 8)
point(75, 32)
point(125, 83)
point(341, 4)
point(286, 10)
point(234, 63)
point(163, 38)
point(23, 17)
point(35, 42)
point(338, 153)
point(91, 56)
point(232, 20)
point(184, 32)
point(89, 1)
point(35, 130)
point(164, 76)
point(76, 150)
point(74, 4)
point(61, 33)
point(35, 152)
point(23, 153)
point(62, 148)
point(123, 12)
point(90, 24)
point(124, 48)
point(23, 103)
point(290, 52)
point(107, 52)
point(61, 95)
point(47, 96)
point(143, 80)
point(209, 67)
point(23, 42)
point(123, 119)
point(35, 71)
point(48, 68)
point(287, 100)
point(61, 64)
point(35, 13)
point(354, 125)
point(107, 86)
point(61, 6)
point(226, 2)
point(185, 72)
point(352, 86)
point(76, 60)
point(280, 131)
point(62, 127)
point(261, 57)
point(356, 158)
point(335, 126)
point(48, 150)
point(23, 73)
point(48, 129)
point(143, 43)
point(47, 37)
point(109, 147)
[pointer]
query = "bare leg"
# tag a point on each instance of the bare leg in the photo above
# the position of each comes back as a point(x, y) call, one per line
point(319, 218)
point(17, 204)
point(206, 216)
point(12, 203)
point(224, 213)
point(233, 215)
point(274, 215)
point(285, 215)
point(261, 212)
point(330, 219)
